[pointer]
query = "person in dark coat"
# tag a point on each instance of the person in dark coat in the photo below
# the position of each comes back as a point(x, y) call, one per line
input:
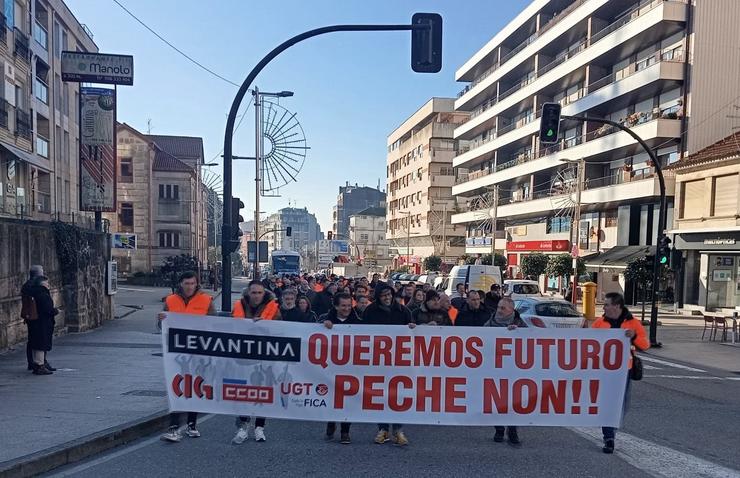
point(322, 303)
point(418, 301)
point(289, 310)
point(304, 306)
point(35, 272)
point(473, 313)
point(41, 330)
point(492, 298)
point(430, 312)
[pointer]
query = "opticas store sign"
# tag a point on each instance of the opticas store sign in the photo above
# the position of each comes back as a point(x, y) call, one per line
point(562, 245)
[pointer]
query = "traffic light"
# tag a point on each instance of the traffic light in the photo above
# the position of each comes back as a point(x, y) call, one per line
point(236, 231)
point(550, 123)
point(329, 235)
point(426, 43)
point(288, 231)
point(664, 250)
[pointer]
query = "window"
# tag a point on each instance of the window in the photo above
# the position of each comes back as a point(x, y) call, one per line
point(169, 239)
point(558, 224)
point(169, 191)
point(127, 170)
point(724, 200)
point(65, 151)
point(57, 40)
point(126, 215)
point(692, 199)
point(611, 218)
point(364, 237)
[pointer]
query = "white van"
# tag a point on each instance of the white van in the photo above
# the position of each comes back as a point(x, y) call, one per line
point(475, 277)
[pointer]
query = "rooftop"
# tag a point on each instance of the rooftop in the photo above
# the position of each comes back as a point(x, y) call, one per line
point(371, 211)
point(723, 150)
point(182, 147)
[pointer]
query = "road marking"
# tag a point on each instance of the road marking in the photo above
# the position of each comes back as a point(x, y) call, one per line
point(650, 367)
point(657, 460)
point(671, 364)
point(690, 377)
point(124, 451)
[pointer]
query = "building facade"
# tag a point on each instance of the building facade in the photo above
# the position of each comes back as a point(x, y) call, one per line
point(351, 200)
point(649, 65)
point(39, 128)
point(158, 201)
point(706, 232)
point(367, 235)
point(305, 229)
point(419, 183)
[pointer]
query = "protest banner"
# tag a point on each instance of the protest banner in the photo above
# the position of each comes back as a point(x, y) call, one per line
point(393, 374)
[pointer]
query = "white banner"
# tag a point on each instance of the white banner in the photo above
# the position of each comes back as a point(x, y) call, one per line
point(393, 374)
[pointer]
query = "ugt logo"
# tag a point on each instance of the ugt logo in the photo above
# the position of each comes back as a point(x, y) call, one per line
point(188, 386)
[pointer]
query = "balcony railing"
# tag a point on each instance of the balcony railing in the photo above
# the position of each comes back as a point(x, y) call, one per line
point(586, 43)
point(42, 146)
point(23, 124)
point(41, 90)
point(40, 35)
point(22, 45)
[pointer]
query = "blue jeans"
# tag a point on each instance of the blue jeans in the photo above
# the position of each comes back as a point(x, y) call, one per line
point(611, 432)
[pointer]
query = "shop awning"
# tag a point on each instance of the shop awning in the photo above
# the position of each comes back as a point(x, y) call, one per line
point(26, 156)
point(618, 256)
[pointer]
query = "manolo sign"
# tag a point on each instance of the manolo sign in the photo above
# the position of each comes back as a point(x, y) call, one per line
point(393, 374)
point(97, 68)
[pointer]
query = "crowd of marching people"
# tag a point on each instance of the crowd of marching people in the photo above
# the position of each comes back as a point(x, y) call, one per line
point(333, 301)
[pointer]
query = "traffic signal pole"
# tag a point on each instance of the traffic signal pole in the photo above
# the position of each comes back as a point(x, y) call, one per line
point(423, 60)
point(661, 218)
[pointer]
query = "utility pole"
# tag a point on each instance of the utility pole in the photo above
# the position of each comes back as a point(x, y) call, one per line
point(575, 233)
point(444, 231)
point(257, 156)
point(494, 219)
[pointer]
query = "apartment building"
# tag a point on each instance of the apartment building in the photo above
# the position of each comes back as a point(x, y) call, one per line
point(419, 183)
point(351, 200)
point(367, 233)
point(158, 199)
point(305, 229)
point(661, 67)
point(39, 130)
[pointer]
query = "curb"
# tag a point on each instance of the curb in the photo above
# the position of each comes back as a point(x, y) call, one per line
point(81, 448)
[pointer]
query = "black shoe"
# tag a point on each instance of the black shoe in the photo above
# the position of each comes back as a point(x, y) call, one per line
point(48, 367)
point(514, 439)
point(41, 370)
point(344, 439)
point(330, 429)
point(608, 447)
point(499, 436)
point(30, 366)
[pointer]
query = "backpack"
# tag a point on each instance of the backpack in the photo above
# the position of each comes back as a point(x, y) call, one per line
point(28, 308)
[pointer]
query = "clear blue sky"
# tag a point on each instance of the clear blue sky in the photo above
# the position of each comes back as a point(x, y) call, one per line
point(351, 89)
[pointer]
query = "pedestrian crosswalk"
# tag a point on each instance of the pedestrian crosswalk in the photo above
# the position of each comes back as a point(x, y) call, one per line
point(656, 368)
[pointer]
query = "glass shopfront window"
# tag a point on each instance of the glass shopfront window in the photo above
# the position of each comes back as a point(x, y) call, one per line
point(723, 281)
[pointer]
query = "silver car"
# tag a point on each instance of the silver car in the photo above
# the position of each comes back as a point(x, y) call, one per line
point(548, 312)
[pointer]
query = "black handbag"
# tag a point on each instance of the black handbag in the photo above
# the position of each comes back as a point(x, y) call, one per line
point(636, 370)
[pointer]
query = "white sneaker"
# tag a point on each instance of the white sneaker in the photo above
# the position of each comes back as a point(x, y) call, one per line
point(259, 434)
point(192, 432)
point(172, 436)
point(242, 434)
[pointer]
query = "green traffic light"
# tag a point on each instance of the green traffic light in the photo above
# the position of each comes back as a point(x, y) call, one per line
point(550, 132)
point(664, 260)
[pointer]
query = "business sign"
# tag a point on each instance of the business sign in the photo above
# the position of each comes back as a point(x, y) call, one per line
point(85, 67)
point(379, 374)
point(335, 247)
point(554, 246)
point(123, 241)
point(112, 278)
point(97, 149)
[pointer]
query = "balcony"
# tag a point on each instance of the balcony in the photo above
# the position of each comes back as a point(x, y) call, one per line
point(23, 126)
point(41, 90)
point(22, 45)
point(613, 190)
point(41, 35)
point(663, 123)
point(644, 17)
point(42, 146)
point(665, 65)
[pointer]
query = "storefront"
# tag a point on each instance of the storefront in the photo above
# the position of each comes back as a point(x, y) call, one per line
point(710, 270)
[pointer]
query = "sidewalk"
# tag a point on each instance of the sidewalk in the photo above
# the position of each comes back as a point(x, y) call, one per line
point(108, 389)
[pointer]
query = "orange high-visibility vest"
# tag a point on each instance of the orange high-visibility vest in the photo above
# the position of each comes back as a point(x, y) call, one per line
point(268, 312)
point(453, 314)
point(198, 304)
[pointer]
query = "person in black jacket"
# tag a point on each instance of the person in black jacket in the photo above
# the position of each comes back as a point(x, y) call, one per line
point(288, 309)
point(473, 313)
point(35, 272)
point(322, 303)
point(304, 306)
point(386, 311)
point(41, 330)
point(492, 298)
point(430, 312)
point(341, 314)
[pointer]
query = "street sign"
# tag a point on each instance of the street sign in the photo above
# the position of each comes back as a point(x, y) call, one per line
point(263, 256)
point(85, 67)
point(123, 241)
point(97, 149)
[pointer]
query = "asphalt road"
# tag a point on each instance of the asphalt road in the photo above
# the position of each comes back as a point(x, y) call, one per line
point(684, 421)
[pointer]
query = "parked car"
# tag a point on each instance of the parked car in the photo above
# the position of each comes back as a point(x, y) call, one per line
point(438, 283)
point(427, 278)
point(395, 276)
point(517, 289)
point(548, 312)
point(404, 278)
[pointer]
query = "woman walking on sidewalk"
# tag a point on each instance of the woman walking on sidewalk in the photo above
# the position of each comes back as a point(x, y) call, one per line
point(188, 299)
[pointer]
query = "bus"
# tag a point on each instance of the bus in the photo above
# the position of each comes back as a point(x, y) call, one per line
point(285, 262)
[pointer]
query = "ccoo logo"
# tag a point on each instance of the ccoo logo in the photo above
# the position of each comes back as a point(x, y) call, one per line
point(187, 386)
